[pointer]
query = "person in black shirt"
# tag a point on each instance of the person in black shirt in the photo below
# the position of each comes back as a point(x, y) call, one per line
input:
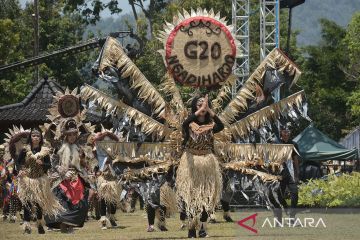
point(198, 178)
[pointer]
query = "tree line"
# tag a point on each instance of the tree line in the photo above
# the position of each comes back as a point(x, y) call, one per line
point(331, 69)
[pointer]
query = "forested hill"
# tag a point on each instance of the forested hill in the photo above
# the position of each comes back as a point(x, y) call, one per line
point(306, 16)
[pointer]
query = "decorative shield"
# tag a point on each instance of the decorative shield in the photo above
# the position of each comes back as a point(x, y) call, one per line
point(200, 49)
point(68, 106)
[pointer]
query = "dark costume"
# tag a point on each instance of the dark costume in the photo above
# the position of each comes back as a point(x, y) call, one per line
point(199, 180)
point(288, 181)
point(159, 198)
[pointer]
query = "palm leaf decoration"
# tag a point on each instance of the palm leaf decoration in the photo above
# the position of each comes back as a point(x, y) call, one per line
point(166, 124)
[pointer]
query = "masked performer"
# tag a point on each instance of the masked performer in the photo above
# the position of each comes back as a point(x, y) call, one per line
point(71, 191)
point(199, 180)
point(108, 188)
point(34, 185)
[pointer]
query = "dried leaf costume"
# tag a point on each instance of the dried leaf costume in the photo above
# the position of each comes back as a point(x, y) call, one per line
point(108, 186)
point(34, 185)
point(68, 135)
point(199, 180)
point(148, 173)
point(208, 150)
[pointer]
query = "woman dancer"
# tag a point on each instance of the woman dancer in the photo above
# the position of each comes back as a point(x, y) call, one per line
point(34, 186)
point(199, 180)
point(72, 189)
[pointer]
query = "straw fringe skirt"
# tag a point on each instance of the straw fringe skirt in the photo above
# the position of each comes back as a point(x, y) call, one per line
point(168, 199)
point(38, 191)
point(110, 191)
point(198, 183)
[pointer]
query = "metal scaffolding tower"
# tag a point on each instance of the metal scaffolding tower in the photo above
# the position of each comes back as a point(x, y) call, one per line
point(269, 26)
point(269, 31)
point(240, 21)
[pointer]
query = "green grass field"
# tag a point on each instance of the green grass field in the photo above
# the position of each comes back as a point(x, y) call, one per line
point(133, 226)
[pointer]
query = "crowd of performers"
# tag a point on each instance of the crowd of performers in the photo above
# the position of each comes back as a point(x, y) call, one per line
point(61, 185)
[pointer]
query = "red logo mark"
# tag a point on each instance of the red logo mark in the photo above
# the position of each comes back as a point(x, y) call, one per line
point(253, 217)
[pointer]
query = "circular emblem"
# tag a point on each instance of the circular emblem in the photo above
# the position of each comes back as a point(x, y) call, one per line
point(68, 106)
point(200, 51)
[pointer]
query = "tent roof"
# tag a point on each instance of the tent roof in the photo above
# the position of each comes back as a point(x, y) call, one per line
point(314, 145)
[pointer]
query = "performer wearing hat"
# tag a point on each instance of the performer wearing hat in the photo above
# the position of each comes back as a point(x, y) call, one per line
point(34, 185)
point(199, 180)
point(71, 188)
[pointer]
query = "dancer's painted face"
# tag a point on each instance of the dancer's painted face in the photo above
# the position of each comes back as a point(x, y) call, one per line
point(71, 137)
point(285, 135)
point(35, 139)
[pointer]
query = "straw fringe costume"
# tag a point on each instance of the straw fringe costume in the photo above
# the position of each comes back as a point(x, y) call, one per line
point(199, 180)
point(109, 192)
point(70, 177)
point(108, 187)
point(155, 183)
point(209, 148)
point(34, 187)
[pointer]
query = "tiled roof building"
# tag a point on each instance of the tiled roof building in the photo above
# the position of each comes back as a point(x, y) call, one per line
point(33, 109)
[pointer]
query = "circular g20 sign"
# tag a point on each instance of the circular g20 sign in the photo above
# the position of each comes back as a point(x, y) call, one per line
point(200, 51)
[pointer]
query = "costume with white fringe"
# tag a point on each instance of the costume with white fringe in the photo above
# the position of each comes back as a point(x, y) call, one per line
point(69, 176)
point(70, 189)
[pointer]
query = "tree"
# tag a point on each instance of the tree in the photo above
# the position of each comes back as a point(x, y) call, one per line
point(90, 10)
point(150, 12)
point(352, 40)
point(57, 30)
point(13, 86)
point(325, 83)
point(60, 30)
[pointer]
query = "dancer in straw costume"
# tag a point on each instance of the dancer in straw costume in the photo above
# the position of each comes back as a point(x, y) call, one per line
point(68, 135)
point(70, 187)
point(108, 188)
point(199, 52)
point(199, 180)
point(34, 185)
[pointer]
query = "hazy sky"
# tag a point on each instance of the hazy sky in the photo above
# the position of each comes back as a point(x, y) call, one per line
point(305, 16)
point(124, 5)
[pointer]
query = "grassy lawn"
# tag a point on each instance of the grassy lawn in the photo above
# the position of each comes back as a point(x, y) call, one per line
point(133, 226)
